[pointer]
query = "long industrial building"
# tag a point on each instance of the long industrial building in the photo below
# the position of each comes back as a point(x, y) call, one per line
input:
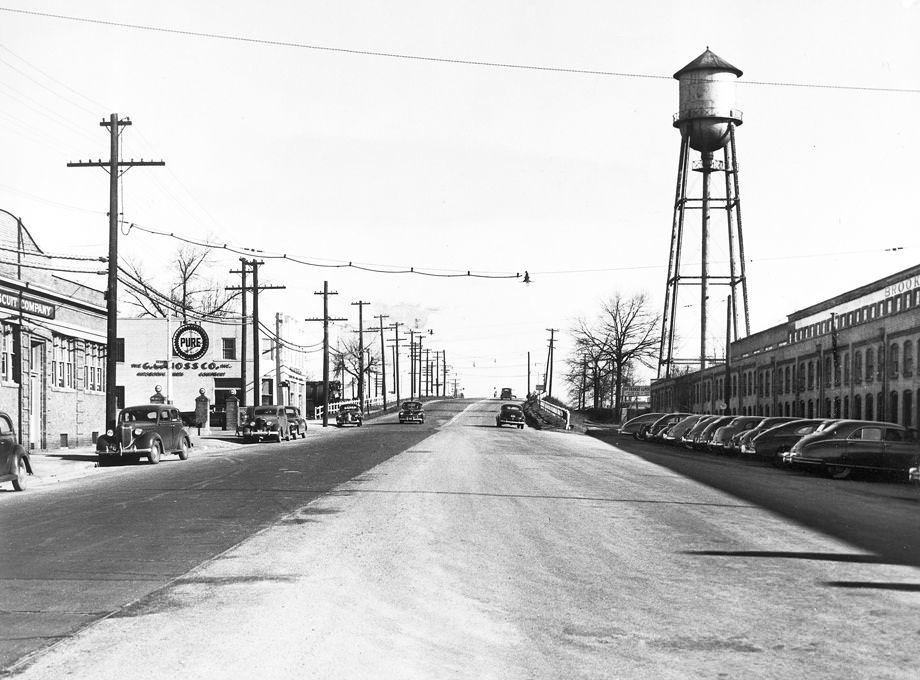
point(856, 355)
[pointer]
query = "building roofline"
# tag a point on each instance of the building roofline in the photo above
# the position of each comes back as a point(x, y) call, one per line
point(855, 294)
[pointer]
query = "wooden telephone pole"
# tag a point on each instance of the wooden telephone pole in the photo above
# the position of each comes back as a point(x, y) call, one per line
point(325, 292)
point(116, 168)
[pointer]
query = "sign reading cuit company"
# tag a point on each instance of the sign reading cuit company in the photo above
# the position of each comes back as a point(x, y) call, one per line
point(190, 341)
point(26, 305)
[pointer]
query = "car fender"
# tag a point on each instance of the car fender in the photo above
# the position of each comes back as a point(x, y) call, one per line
point(19, 453)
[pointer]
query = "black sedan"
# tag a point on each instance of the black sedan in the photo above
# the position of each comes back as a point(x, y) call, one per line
point(14, 459)
point(349, 414)
point(151, 430)
point(510, 414)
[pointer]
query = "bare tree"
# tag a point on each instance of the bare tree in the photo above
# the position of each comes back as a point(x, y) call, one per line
point(191, 289)
point(346, 359)
point(631, 329)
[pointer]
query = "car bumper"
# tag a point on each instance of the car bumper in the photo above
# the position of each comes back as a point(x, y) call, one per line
point(510, 422)
point(913, 475)
point(259, 433)
point(411, 419)
point(793, 458)
point(120, 452)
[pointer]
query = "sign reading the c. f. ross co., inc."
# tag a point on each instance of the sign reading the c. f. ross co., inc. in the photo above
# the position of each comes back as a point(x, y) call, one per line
point(190, 341)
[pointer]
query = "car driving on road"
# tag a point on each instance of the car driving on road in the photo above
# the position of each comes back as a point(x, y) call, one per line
point(411, 412)
point(150, 430)
point(264, 422)
point(349, 414)
point(510, 414)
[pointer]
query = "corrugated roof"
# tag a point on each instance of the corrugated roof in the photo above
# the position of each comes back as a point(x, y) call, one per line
point(709, 60)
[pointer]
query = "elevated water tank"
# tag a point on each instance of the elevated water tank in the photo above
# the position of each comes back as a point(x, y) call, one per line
point(707, 101)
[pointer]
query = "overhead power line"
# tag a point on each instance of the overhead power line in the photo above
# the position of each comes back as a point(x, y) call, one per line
point(331, 264)
point(420, 57)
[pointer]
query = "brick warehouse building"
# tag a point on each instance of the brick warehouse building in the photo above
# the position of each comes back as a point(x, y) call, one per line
point(856, 355)
point(52, 345)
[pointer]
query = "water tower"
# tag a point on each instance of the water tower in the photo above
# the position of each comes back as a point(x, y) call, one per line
point(706, 119)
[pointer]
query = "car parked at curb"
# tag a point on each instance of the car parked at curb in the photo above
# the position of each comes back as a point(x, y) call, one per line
point(737, 442)
point(150, 430)
point(268, 421)
point(411, 412)
point(771, 444)
point(674, 433)
point(847, 446)
point(297, 424)
point(655, 430)
point(510, 414)
point(635, 425)
point(721, 438)
point(15, 465)
point(349, 414)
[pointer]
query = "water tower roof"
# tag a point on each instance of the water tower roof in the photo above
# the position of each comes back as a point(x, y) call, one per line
point(708, 60)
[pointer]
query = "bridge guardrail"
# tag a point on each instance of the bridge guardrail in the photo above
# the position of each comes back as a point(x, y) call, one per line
point(559, 411)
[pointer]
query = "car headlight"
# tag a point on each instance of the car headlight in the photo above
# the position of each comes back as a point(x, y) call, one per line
point(252, 423)
point(138, 432)
point(109, 433)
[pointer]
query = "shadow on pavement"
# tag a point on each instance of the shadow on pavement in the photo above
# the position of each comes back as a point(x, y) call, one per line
point(782, 554)
point(871, 585)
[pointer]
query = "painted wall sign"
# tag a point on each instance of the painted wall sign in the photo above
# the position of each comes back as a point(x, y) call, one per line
point(190, 341)
point(204, 369)
point(29, 306)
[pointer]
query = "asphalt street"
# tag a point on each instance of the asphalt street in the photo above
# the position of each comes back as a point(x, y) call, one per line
point(475, 552)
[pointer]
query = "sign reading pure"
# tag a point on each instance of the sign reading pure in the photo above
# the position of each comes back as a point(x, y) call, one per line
point(27, 306)
point(190, 341)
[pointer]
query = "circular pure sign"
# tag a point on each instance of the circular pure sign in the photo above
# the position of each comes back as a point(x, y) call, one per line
point(190, 342)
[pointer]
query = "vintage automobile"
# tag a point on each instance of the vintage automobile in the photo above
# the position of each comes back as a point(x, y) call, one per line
point(349, 414)
point(674, 433)
point(635, 425)
point(846, 446)
point(297, 424)
point(268, 421)
point(411, 412)
point(739, 439)
point(15, 465)
point(506, 393)
point(721, 438)
point(510, 414)
point(913, 475)
point(654, 431)
point(703, 440)
point(150, 430)
point(771, 444)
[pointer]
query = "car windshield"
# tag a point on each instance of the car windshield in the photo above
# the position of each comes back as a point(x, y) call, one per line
point(412, 405)
point(139, 415)
point(266, 411)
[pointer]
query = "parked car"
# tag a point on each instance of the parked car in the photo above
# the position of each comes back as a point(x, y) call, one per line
point(737, 442)
point(693, 433)
point(855, 445)
point(349, 414)
point(674, 433)
point(771, 444)
point(913, 475)
point(15, 465)
point(654, 430)
point(150, 430)
point(510, 414)
point(297, 424)
point(635, 425)
point(703, 441)
point(721, 438)
point(506, 393)
point(264, 422)
point(411, 412)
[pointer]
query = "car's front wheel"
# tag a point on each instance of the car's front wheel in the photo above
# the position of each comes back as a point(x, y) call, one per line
point(839, 471)
point(156, 452)
point(20, 481)
point(183, 450)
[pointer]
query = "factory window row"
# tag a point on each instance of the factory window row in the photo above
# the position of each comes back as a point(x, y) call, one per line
point(892, 305)
point(64, 364)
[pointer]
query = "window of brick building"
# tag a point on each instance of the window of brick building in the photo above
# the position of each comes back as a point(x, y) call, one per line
point(880, 363)
point(811, 376)
point(870, 364)
point(846, 368)
point(63, 351)
point(94, 367)
point(229, 348)
point(907, 369)
point(893, 356)
point(6, 358)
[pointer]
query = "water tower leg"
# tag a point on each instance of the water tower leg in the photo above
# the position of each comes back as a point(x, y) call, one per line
point(737, 195)
point(729, 218)
point(704, 257)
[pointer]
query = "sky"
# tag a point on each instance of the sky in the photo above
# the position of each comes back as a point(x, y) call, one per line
point(348, 157)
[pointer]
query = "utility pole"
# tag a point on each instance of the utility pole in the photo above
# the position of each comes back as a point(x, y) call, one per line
point(549, 361)
point(360, 305)
point(278, 358)
point(325, 292)
point(383, 363)
point(256, 348)
point(528, 374)
point(434, 378)
point(444, 371)
point(427, 373)
point(243, 288)
point(420, 374)
point(395, 326)
point(113, 167)
point(412, 363)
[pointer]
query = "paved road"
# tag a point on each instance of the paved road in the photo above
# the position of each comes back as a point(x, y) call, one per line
point(486, 553)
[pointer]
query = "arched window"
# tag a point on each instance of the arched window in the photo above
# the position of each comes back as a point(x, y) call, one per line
point(827, 370)
point(880, 363)
point(893, 408)
point(857, 406)
point(907, 408)
point(846, 368)
point(879, 406)
point(907, 370)
point(846, 407)
point(893, 355)
point(827, 408)
point(788, 383)
point(836, 407)
point(869, 413)
point(811, 409)
point(811, 375)
point(857, 366)
point(870, 364)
